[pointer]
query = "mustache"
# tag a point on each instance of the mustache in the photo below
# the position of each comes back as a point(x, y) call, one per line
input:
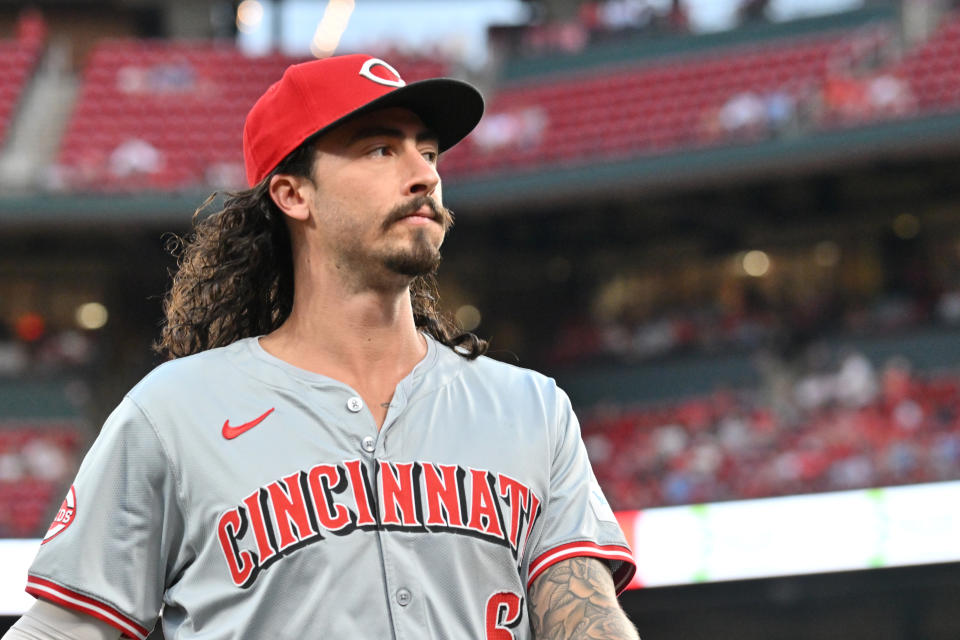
point(440, 213)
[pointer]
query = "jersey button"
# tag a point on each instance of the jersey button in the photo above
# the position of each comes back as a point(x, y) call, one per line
point(403, 597)
point(354, 404)
point(369, 444)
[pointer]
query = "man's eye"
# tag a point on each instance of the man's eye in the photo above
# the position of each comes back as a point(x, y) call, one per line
point(430, 156)
point(382, 150)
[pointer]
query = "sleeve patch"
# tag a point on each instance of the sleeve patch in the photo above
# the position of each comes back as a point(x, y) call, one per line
point(64, 518)
point(601, 508)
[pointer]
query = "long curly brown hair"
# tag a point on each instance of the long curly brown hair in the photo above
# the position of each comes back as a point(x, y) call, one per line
point(234, 276)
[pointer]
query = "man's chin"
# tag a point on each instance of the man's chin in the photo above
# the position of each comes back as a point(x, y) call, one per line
point(421, 257)
point(413, 265)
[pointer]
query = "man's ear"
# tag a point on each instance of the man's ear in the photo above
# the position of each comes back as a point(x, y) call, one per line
point(292, 195)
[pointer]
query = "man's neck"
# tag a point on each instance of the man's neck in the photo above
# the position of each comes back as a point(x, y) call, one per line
point(365, 339)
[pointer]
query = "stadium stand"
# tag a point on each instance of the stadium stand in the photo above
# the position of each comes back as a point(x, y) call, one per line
point(42, 433)
point(159, 113)
point(20, 56)
point(738, 93)
point(933, 69)
point(37, 460)
point(848, 429)
point(166, 115)
point(710, 330)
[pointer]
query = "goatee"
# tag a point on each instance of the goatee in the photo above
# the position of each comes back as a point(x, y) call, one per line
point(421, 260)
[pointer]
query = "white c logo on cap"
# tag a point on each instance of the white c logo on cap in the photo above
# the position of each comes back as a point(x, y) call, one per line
point(366, 72)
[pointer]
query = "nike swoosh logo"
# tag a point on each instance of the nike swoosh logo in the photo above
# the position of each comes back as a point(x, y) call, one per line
point(232, 432)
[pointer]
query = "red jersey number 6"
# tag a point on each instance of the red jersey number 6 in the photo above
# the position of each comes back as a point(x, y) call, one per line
point(504, 612)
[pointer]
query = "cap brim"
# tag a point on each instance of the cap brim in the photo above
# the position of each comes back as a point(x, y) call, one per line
point(449, 108)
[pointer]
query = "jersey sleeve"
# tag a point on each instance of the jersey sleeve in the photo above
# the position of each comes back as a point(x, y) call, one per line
point(108, 550)
point(576, 519)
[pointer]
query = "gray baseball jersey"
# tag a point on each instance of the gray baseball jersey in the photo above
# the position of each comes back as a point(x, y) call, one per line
point(249, 498)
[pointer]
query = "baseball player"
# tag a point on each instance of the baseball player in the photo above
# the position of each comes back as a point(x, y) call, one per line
point(325, 455)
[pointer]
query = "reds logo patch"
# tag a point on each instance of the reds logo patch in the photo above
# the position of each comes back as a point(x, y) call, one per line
point(64, 517)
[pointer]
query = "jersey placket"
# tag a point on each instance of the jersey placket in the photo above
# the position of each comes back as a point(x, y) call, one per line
point(401, 590)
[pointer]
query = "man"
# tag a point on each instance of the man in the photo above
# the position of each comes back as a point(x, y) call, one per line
point(326, 455)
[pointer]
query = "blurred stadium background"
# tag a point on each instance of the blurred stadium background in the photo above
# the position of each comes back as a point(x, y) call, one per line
point(729, 228)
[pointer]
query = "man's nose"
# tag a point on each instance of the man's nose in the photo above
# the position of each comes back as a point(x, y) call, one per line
point(423, 177)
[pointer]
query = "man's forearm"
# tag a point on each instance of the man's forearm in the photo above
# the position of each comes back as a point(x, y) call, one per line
point(575, 600)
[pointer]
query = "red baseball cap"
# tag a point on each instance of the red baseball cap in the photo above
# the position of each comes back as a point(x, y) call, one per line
point(316, 95)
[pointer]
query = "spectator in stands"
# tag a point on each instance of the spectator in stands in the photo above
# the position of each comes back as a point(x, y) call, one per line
point(611, 19)
point(856, 383)
point(676, 20)
point(780, 112)
point(743, 116)
point(13, 355)
point(752, 11)
point(518, 129)
point(889, 96)
point(135, 156)
point(619, 16)
point(567, 37)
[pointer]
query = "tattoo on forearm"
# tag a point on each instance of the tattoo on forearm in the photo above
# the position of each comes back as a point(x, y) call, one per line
point(575, 599)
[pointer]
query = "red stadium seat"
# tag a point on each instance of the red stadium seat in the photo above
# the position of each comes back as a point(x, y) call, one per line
point(19, 56)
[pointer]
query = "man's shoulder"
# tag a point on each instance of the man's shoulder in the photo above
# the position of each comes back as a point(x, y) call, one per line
point(499, 369)
point(193, 372)
point(505, 376)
